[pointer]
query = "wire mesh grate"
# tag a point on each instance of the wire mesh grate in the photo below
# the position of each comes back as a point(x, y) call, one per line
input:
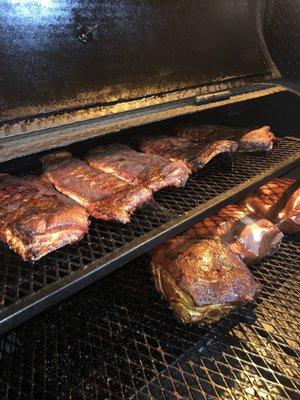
point(22, 280)
point(117, 339)
point(253, 354)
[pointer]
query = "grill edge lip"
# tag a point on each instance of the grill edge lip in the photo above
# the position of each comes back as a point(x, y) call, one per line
point(22, 139)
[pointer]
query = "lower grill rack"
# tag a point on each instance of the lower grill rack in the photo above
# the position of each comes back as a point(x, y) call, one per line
point(117, 339)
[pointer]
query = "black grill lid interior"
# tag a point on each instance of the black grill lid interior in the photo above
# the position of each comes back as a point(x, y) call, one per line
point(135, 49)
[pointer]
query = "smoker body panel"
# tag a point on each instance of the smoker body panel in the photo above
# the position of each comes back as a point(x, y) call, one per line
point(140, 55)
point(140, 49)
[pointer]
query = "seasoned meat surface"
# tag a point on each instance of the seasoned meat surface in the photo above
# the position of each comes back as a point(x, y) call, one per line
point(195, 155)
point(205, 132)
point(288, 219)
point(103, 195)
point(203, 280)
point(260, 139)
point(35, 219)
point(148, 170)
point(247, 235)
point(278, 201)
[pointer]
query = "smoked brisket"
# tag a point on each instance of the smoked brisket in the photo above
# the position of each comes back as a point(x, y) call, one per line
point(203, 280)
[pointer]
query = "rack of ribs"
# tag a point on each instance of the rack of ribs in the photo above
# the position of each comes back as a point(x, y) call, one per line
point(103, 195)
point(247, 235)
point(147, 170)
point(195, 155)
point(202, 280)
point(256, 140)
point(278, 201)
point(35, 219)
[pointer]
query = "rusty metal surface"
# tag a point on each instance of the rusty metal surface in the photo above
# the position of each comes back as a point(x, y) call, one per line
point(19, 140)
point(176, 101)
point(138, 49)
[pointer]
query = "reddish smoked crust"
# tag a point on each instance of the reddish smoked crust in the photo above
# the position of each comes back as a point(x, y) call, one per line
point(195, 155)
point(103, 195)
point(35, 219)
point(256, 140)
point(148, 170)
point(207, 270)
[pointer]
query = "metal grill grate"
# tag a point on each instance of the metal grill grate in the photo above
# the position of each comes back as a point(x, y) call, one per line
point(23, 285)
point(120, 341)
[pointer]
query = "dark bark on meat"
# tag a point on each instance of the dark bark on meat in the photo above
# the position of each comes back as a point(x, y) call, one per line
point(278, 201)
point(256, 140)
point(195, 155)
point(203, 280)
point(103, 195)
point(35, 219)
point(148, 170)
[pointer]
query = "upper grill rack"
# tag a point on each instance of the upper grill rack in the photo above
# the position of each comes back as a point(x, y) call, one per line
point(26, 289)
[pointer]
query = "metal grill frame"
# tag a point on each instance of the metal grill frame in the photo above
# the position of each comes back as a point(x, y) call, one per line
point(118, 339)
point(252, 354)
point(35, 299)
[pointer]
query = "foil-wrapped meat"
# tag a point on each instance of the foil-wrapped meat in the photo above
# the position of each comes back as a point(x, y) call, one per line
point(247, 235)
point(278, 201)
point(203, 280)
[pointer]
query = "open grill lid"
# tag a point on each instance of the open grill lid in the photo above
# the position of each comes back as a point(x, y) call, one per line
point(75, 69)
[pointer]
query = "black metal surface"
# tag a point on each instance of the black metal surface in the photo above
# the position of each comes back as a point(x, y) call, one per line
point(138, 49)
point(282, 33)
point(26, 289)
point(43, 133)
point(280, 111)
point(118, 340)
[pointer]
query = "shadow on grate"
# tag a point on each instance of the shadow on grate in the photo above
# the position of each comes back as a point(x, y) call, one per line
point(21, 281)
point(117, 339)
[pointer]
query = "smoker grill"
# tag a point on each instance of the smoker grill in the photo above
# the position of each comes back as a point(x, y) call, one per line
point(118, 340)
point(145, 67)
